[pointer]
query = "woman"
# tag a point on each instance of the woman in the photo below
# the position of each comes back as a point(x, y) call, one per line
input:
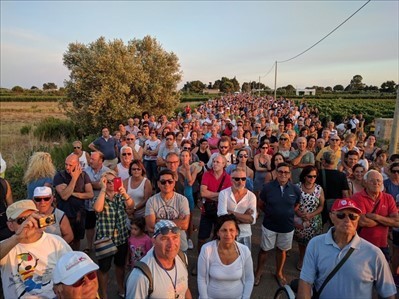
point(284, 146)
point(370, 149)
point(262, 166)
point(214, 140)
point(151, 147)
point(194, 138)
point(240, 138)
point(356, 180)
point(138, 187)
point(380, 163)
point(84, 157)
point(276, 159)
point(253, 150)
point(111, 223)
point(241, 162)
point(122, 168)
point(308, 220)
point(225, 266)
point(44, 201)
point(189, 172)
point(179, 138)
point(40, 172)
point(311, 144)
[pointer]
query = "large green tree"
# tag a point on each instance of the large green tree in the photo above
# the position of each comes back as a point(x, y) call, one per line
point(388, 86)
point(194, 86)
point(111, 81)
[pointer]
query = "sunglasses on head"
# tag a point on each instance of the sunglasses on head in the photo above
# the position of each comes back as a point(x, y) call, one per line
point(165, 230)
point(237, 179)
point(39, 199)
point(164, 182)
point(90, 276)
point(126, 154)
point(351, 216)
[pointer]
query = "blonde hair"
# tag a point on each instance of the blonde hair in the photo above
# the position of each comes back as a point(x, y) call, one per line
point(40, 166)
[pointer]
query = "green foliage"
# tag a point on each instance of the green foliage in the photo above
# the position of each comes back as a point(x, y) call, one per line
point(25, 130)
point(29, 98)
point(53, 129)
point(17, 89)
point(14, 176)
point(388, 86)
point(49, 86)
point(194, 86)
point(111, 81)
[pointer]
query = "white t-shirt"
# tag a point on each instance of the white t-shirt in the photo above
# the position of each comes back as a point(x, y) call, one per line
point(27, 270)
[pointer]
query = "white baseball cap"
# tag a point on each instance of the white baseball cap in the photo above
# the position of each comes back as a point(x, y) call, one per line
point(72, 266)
point(18, 207)
point(42, 192)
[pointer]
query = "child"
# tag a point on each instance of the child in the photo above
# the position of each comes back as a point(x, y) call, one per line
point(139, 242)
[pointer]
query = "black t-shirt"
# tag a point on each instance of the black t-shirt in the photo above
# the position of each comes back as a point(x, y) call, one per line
point(272, 139)
point(336, 182)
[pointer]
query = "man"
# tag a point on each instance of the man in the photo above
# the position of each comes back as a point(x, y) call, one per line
point(379, 211)
point(137, 149)
point(335, 184)
point(168, 204)
point(75, 276)
point(351, 157)
point(325, 135)
point(73, 187)
point(279, 200)
point(168, 270)
point(257, 132)
point(333, 147)
point(170, 146)
point(354, 123)
point(27, 259)
point(224, 147)
point(364, 270)
point(300, 158)
point(240, 202)
point(82, 155)
point(273, 141)
point(95, 170)
point(107, 145)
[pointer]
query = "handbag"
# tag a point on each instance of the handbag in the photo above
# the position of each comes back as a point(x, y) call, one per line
point(104, 247)
point(316, 294)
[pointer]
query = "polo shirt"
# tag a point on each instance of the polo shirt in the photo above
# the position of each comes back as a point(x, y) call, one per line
point(107, 147)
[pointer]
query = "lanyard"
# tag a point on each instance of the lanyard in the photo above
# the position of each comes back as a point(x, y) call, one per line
point(166, 271)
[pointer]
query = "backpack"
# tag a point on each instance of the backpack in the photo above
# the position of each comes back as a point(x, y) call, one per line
point(147, 272)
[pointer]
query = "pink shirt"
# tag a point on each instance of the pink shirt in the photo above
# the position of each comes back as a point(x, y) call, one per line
point(138, 247)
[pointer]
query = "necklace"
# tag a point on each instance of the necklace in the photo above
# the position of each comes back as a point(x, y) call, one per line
point(174, 283)
point(308, 188)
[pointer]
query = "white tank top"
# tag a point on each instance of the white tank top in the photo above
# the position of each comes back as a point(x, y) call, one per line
point(122, 171)
point(137, 195)
point(83, 160)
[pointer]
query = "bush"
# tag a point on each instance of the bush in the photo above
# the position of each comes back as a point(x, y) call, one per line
point(25, 130)
point(52, 129)
point(14, 175)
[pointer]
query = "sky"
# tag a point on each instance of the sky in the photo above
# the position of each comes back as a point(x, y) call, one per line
point(212, 39)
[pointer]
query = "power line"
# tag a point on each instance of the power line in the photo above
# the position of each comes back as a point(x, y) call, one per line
point(268, 71)
point(326, 35)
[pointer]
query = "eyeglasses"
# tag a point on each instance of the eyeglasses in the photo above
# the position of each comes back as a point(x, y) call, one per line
point(165, 230)
point(90, 276)
point(243, 156)
point(136, 169)
point(351, 216)
point(311, 176)
point(172, 162)
point(39, 199)
point(223, 147)
point(126, 154)
point(20, 220)
point(76, 147)
point(129, 138)
point(240, 179)
point(283, 172)
point(186, 148)
point(283, 139)
point(395, 171)
point(169, 182)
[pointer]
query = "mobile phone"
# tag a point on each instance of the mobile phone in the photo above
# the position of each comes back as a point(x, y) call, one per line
point(46, 221)
point(117, 184)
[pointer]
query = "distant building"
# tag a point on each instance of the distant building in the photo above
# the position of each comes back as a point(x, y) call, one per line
point(305, 92)
point(211, 91)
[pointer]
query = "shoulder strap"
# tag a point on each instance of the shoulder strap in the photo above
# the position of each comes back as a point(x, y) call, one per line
point(332, 273)
point(221, 183)
point(183, 257)
point(147, 272)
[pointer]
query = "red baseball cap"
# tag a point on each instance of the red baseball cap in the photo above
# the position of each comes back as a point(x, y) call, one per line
point(345, 203)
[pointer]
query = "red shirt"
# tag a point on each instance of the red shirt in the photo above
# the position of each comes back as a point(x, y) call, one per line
point(377, 235)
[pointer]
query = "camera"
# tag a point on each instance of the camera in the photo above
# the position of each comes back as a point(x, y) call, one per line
point(46, 221)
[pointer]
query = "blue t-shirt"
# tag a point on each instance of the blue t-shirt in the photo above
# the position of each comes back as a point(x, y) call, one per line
point(107, 147)
point(279, 206)
point(392, 189)
point(38, 183)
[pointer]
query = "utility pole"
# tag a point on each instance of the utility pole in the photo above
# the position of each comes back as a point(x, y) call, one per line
point(259, 87)
point(275, 82)
point(393, 143)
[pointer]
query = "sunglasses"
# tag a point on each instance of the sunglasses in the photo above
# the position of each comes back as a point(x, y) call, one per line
point(351, 216)
point(186, 148)
point(283, 172)
point(20, 220)
point(163, 182)
point(335, 140)
point(240, 179)
point(311, 176)
point(110, 181)
point(395, 170)
point(283, 139)
point(265, 147)
point(76, 147)
point(243, 156)
point(166, 230)
point(152, 132)
point(136, 169)
point(90, 276)
point(129, 138)
point(224, 147)
point(126, 154)
point(39, 199)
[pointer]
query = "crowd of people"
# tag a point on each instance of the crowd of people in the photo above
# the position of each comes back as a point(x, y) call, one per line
point(235, 158)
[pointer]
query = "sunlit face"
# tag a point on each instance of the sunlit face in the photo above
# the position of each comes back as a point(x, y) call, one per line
point(71, 162)
point(77, 148)
point(136, 170)
point(311, 177)
point(43, 203)
point(105, 133)
point(345, 225)
point(88, 289)
point(301, 143)
point(126, 156)
point(218, 163)
point(371, 140)
point(350, 143)
point(130, 139)
point(283, 174)
point(110, 182)
point(311, 143)
point(358, 173)
point(166, 246)
point(374, 182)
point(278, 159)
point(224, 147)
point(228, 232)
point(185, 157)
point(237, 179)
point(166, 183)
point(352, 160)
